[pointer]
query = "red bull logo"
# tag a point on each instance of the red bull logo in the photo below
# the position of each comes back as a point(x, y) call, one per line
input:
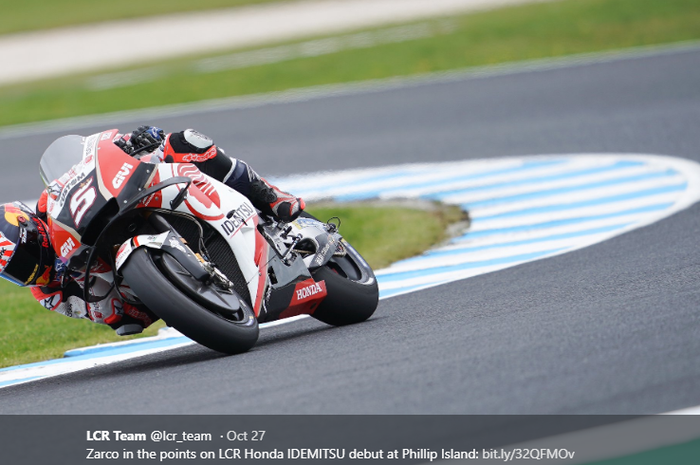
point(13, 213)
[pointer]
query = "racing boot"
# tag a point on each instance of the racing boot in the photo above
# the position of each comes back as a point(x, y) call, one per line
point(271, 200)
point(266, 197)
point(190, 146)
point(130, 320)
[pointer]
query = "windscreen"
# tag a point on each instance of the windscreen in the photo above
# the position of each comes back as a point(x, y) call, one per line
point(60, 157)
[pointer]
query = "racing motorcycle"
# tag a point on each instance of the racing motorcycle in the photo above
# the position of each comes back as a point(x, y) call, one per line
point(193, 251)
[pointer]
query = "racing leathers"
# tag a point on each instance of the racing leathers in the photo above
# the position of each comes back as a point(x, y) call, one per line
point(190, 146)
point(64, 294)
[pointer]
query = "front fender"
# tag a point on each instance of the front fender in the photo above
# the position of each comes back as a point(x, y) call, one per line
point(170, 243)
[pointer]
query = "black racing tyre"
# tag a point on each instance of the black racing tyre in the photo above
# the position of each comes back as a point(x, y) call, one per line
point(209, 328)
point(353, 293)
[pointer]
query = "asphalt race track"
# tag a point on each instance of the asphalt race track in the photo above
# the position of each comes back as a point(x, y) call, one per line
point(611, 328)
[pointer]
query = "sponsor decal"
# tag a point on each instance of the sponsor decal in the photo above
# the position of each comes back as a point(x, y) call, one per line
point(208, 189)
point(68, 311)
point(199, 157)
point(189, 171)
point(152, 200)
point(122, 254)
point(238, 219)
point(203, 200)
point(154, 241)
point(53, 190)
point(82, 200)
point(69, 184)
point(306, 298)
point(31, 276)
point(13, 214)
point(151, 240)
point(321, 254)
point(121, 175)
point(90, 146)
point(45, 278)
point(176, 244)
point(309, 291)
point(43, 235)
point(51, 301)
point(67, 247)
point(307, 222)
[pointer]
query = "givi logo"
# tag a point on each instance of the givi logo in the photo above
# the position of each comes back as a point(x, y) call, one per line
point(121, 175)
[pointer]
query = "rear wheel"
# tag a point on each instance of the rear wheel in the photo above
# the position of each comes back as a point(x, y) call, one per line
point(216, 319)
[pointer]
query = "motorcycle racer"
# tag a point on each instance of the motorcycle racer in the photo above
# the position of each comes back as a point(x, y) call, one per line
point(189, 146)
point(28, 259)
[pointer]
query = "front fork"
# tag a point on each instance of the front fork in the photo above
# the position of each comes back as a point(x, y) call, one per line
point(172, 243)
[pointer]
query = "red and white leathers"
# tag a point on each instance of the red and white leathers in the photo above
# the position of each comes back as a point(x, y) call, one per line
point(64, 294)
point(68, 300)
point(190, 146)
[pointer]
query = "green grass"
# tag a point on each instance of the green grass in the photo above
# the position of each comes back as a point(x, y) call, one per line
point(517, 33)
point(29, 15)
point(386, 234)
point(383, 235)
point(30, 333)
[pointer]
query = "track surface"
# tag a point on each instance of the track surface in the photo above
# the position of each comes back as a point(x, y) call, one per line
point(612, 328)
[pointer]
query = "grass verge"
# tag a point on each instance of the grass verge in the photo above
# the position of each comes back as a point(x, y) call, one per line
point(386, 233)
point(31, 15)
point(510, 34)
point(381, 234)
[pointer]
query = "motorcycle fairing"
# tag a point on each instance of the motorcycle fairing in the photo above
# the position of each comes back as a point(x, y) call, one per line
point(208, 200)
point(80, 195)
point(106, 181)
point(288, 298)
point(306, 298)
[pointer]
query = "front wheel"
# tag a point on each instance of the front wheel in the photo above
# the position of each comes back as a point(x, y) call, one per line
point(353, 293)
point(231, 331)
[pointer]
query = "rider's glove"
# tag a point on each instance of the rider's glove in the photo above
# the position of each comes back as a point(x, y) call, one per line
point(146, 138)
point(288, 209)
point(124, 144)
